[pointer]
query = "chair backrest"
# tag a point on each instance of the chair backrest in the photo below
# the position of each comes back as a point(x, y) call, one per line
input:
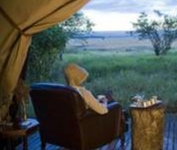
point(54, 102)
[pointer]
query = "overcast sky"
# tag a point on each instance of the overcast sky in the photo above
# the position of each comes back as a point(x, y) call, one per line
point(119, 14)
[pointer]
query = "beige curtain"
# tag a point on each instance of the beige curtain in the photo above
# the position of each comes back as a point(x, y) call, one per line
point(19, 20)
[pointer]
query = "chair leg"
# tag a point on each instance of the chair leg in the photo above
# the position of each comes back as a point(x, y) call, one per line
point(122, 141)
point(3, 143)
point(25, 143)
point(43, 144)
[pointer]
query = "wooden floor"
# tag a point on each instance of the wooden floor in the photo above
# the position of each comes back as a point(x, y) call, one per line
point(170, 138)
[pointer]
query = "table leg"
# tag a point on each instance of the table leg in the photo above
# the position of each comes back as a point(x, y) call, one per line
point(25, 143)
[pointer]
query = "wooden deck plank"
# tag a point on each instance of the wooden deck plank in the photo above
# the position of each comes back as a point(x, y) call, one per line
point(170, 139)
point(174, 133)
point(166, 133)
point(170, 132)
point(128, 140)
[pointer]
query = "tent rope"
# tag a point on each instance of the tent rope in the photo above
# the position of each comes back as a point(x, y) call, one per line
point(7, 17)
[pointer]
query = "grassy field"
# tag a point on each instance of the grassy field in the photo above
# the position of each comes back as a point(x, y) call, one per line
point(126, 72)
point(128, 75)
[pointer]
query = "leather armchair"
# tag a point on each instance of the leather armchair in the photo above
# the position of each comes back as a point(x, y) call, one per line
point(65, 121)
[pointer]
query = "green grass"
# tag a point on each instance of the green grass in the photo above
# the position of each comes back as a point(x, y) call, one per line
point(127, 75)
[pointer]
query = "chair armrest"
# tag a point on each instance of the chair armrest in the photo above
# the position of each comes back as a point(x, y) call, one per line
point(111, 105)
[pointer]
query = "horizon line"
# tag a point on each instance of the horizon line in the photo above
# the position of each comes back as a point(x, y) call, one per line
point(111, 30)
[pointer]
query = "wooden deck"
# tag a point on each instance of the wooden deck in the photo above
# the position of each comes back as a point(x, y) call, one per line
point(170, 138)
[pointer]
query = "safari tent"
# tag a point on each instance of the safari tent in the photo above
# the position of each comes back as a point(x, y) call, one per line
point(19, 20)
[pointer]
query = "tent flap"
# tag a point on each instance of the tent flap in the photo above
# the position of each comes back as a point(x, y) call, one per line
point(19, 20)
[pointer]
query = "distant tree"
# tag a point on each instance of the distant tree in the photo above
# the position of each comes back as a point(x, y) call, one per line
point(162, 32)
point(75, 26)
point(48, 46)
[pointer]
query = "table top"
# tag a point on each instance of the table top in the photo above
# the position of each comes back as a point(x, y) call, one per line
point(24, 128)
point(157, 104)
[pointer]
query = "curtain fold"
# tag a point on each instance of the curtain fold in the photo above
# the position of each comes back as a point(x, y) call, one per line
point(19, 20)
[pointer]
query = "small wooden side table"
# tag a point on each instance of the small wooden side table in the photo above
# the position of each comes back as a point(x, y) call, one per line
point(11, 133)
point(147, 125)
